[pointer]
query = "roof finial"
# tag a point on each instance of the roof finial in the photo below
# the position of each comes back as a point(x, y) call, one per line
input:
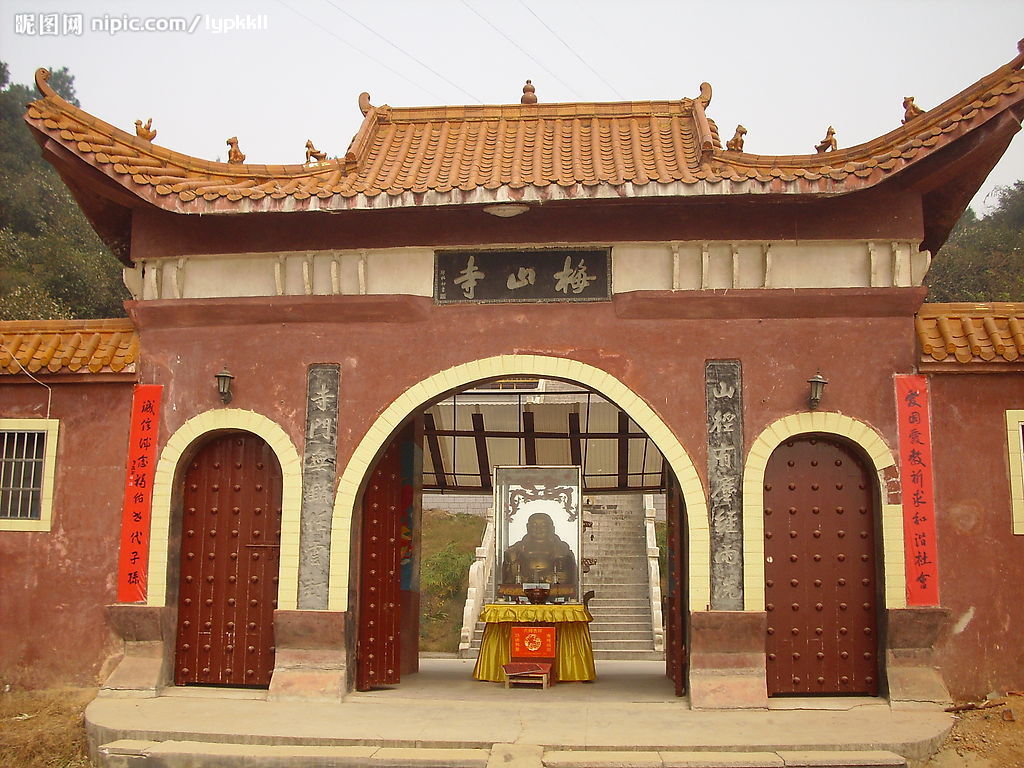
point(313, 154)
point(364, 103)
point(735, 144)
point(235, 155)
point(705, 95)
point(828, 144)
point(42, 81)
point(910, 109)
point(529, 93)
point(145, 131)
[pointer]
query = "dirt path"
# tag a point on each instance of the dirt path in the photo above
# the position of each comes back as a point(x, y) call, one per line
point(985, 739)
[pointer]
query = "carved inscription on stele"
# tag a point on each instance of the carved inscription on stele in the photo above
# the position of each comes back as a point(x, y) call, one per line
point(723, 384)
point(319, 471)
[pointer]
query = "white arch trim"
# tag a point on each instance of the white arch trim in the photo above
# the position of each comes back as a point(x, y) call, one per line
point(520, 365)
point(163, 487)
point(753, 500)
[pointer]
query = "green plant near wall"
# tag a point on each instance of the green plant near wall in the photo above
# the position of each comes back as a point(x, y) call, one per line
point(445, 572)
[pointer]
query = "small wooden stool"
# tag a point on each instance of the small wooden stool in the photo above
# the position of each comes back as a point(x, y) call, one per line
point(527, 673)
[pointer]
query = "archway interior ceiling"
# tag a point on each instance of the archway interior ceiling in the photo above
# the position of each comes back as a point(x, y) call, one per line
point(522, 422)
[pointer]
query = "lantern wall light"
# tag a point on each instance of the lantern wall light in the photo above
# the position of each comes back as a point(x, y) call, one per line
point(817, 382)
point(224, 385)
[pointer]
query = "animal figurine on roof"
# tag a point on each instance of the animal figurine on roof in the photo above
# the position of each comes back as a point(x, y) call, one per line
point(145, 131)
point(828, 144)
point(910, 109)
point(313, 154)
point(736, 142)
point(235, 155)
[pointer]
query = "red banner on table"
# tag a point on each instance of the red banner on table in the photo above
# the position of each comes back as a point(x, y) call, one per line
point(133, 564)
point(915, 432)
point(532, 642)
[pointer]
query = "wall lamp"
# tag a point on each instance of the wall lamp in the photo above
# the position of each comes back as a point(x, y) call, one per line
point(817, 382)
point(224, 385)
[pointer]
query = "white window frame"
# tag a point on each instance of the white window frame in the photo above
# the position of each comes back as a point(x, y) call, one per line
point(49, 427)
point(1015, 449)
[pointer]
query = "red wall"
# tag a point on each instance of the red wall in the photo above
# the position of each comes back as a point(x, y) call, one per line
point(661, 360)
point(981, 562)
point(54, 585)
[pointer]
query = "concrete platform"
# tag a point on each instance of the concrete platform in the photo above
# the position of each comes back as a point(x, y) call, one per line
point(441, 717)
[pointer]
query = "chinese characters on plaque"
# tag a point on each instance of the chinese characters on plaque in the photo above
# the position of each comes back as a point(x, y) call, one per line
point(722, 382)
point(138, 494)
point(462, 277)
point(918, 498)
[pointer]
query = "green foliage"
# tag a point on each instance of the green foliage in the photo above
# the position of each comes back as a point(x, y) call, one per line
point(447, 549)
point(983, 260)
point(444, 572)
point(52, 264)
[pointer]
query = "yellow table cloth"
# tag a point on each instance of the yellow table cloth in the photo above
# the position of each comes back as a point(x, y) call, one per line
point(574, 658)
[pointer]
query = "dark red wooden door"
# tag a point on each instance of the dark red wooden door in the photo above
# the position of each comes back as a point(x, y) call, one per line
point(231, 531)
point(380, 619)
point(676, 582)
point(820, 570)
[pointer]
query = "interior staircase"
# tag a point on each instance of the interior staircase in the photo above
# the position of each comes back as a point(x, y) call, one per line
point(621, 605)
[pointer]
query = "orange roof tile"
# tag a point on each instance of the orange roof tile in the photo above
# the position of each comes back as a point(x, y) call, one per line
point(527, 150)
point(965, 335)
point(68, 346)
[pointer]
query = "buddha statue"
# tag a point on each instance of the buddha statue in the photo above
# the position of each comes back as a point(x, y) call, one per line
point(540, 557)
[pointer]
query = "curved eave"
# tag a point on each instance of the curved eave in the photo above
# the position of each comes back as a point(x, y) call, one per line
point(126, 172)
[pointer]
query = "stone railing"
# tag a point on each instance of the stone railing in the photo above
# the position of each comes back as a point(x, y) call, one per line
point(479, 576)
point(653, 574)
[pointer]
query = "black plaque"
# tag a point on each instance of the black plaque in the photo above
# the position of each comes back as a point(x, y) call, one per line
point(723, 384)
point(467, 277)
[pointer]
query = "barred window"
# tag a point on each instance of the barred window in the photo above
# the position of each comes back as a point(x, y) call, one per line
point(28, 455)
point(22, 455)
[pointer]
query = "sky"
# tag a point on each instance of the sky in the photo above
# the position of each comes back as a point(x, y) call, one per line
point(278, 72)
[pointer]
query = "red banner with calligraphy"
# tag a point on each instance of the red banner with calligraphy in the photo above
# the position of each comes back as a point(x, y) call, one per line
point(138, 494)
point(532, 642)
point(914, 416)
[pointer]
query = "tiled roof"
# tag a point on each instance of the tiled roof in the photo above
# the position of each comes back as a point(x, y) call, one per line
point(971, 334)
point(68, 346)
point(402, 155)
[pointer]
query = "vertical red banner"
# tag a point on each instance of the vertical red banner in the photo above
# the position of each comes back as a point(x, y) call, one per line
point(138, 494)
point(921, 552)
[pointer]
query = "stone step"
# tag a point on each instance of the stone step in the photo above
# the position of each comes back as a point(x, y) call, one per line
point(132, 753)
point(740, 757)
point(602, 636)
point(624, 645)
point(628, 655)
point(620, 626)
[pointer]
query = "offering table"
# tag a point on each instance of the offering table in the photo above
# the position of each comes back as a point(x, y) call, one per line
point(574, 653)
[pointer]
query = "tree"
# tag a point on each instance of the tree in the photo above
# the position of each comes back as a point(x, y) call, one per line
point(983, 260)
point(52, 264)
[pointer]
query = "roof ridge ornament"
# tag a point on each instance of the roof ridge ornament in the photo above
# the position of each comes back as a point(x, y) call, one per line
point(314, 155)
point(735, 144)
point(829, 143)
point(705, 95)
point(529, 93)
point(910, 109)
point(364, 103)
point(235, 156)
point(145, 131)
point(42, 82)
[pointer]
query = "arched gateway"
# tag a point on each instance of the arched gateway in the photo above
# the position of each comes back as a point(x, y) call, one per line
point(374, 517)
